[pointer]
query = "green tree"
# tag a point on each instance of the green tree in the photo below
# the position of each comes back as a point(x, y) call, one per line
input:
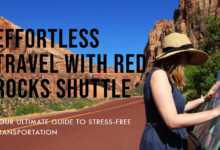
point(212, 35)
point(201, 78)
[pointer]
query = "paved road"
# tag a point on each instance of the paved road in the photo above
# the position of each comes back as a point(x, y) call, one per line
point(93, 135)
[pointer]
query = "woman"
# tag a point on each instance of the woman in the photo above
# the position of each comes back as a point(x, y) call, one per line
point(165, 106)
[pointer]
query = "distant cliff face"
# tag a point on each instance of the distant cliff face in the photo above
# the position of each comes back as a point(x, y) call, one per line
point(188, 19)
point(59, 64)
point(153, 47)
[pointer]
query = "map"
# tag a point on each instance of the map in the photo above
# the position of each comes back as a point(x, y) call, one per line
point(208, 133)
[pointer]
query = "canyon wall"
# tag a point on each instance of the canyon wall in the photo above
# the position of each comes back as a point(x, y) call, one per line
point(59, 64)
point(189, 19)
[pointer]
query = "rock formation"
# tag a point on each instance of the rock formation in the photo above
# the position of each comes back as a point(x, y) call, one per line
point(153, 47)
point(59, 63)
point(188, 19)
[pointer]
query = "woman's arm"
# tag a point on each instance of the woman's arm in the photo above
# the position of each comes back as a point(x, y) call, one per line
point(192, 104)
point(195, 103)
point(162, 95)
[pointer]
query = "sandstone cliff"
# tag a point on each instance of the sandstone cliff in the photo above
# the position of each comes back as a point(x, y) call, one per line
point(153, 47)
point(59, 63)
point(188, 19)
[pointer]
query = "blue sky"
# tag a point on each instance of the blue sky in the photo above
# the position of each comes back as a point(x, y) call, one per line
point(123, 25)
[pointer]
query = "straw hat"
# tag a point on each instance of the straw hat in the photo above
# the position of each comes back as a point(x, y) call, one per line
point(175, 43)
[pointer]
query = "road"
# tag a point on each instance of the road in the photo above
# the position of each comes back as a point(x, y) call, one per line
point(110, 133)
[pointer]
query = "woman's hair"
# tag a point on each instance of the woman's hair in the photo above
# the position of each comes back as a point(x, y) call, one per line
point(173, 65)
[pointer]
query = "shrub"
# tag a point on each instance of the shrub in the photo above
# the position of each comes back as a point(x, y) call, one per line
point(1, 111)
point(81, 103)
point(212, 35)
point(77, 105)
point(56, 106)
point(192, 94)
point(138, 91)
point(18, 111)
point(27, 109)
point(48, 110)
point(111, 98)
point(201, 78)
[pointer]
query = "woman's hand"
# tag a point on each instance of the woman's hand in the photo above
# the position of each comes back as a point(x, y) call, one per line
point(211, 92)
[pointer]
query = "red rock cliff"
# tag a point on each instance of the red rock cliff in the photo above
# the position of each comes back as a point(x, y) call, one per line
point(188, 19)
point(59, 63)
point(153, 47)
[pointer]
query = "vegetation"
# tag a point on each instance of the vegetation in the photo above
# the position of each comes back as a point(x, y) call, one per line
point(138, 91)
point(201, 78)
point(22, 106)
point(212, 35)
point(111, 98)
point(1, 111)
point(27, 109)
point(25, 106)
point(188, 32)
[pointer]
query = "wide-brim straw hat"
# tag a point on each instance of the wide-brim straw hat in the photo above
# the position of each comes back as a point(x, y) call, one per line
point(175, 43)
